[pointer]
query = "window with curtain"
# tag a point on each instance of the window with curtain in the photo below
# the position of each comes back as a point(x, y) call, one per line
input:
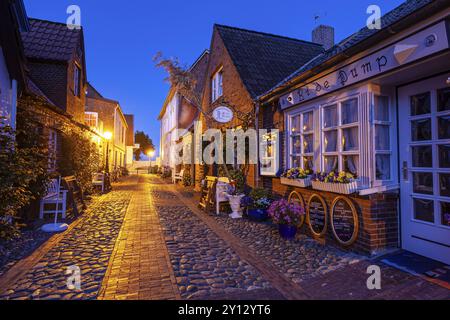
point(340, 136)
point(269, 149)
point(382, 129)
point(217, 85)
point(302, 140)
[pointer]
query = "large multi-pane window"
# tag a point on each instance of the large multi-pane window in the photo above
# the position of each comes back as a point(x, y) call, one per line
point(340, 136)
point(302, 140)
point(383, 149)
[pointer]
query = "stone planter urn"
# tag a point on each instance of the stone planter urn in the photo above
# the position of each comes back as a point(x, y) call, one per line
point(235, 204)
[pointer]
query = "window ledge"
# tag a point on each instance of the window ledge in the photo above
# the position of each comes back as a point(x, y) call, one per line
point(379, 189)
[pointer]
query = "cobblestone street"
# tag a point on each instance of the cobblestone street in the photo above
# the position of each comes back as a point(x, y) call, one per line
point(148, 240)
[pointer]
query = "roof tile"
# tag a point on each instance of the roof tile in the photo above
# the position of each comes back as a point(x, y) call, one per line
point(50, 40)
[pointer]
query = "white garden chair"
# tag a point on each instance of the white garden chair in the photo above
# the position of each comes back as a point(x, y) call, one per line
point(54, 197)
point(98, 179)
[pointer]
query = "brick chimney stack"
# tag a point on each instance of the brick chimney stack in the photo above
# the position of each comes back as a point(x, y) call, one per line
point(323, 35)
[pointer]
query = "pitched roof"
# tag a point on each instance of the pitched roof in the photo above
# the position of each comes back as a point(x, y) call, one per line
point(49, 40)
point(390, 18)
point(264, 59)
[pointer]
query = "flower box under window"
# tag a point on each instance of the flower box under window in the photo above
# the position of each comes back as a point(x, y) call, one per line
point(301, 183)
point(342, 188)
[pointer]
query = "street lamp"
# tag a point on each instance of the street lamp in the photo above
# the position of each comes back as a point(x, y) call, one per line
point(108, 136)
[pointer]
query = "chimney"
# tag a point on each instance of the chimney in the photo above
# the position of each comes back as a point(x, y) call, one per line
point(323, 35)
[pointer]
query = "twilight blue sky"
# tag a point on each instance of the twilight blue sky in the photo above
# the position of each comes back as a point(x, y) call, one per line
point(121, 37)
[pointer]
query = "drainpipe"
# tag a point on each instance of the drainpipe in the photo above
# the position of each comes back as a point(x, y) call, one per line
point(13, 103)
point(257, 175)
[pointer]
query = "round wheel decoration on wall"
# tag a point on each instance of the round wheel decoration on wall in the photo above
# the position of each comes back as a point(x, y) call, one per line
point(316, 215)
point(344, 221)
point(297, 198)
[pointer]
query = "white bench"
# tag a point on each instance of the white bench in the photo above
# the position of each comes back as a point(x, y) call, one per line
point(98, 179)
point(221, 191)
point(55, 196)
point(179, 176)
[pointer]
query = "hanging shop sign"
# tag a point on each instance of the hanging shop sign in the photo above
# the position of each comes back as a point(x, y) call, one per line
point(344, 221)
point(317, 216)
point(295, 197)
point(422, 44)
point(222, 114)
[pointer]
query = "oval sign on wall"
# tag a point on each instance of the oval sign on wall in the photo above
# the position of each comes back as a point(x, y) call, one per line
point(222, 114)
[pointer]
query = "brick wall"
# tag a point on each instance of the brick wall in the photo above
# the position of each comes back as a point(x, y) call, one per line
point(377, 214)
point(234, 92)
point(75, 104)
point(51, 78)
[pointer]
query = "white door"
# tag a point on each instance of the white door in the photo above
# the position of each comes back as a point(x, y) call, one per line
point(424, 137)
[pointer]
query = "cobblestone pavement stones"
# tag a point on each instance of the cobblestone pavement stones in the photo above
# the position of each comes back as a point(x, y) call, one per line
point(299, 260)
point(88, 246)
point(204, 264)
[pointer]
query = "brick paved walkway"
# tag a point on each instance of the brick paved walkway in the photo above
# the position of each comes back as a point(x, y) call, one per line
point(139, 266)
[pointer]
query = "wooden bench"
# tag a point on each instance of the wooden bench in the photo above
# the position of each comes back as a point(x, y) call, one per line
point(179, 176)
point(55, 196)
point(141, 168)
point(212, 193)
point(75, 194)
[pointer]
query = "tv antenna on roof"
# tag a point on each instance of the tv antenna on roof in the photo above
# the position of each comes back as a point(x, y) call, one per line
point(318, 16)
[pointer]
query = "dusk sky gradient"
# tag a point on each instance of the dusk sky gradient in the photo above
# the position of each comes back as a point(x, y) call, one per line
point(121, 37)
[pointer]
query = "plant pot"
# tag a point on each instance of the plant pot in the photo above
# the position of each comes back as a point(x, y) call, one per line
point(287, 232)
point(300, 183)
point(258, 214)
point(342, 188)
point(235, 204)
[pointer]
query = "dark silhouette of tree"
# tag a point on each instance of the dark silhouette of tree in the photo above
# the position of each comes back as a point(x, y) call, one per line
point(145, 144)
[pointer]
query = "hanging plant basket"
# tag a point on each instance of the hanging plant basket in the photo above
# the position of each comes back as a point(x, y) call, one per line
point(342, 188)
point(300, 183)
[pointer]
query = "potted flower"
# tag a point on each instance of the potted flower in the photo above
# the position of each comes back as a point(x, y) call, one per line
point(296, 177)
point(234, 197)
point(257, 204)
point(342, 182)
point(288, 216)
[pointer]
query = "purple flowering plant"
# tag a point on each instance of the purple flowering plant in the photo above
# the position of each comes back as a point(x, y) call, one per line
point(283, 212)
point(296, 173)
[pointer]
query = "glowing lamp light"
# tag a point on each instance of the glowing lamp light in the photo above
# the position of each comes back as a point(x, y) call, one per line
point(107, 135)
point(151, 153)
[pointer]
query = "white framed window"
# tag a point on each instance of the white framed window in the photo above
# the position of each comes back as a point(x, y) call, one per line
point(340, 136)
point(52, 147)
point(76, 80)
point(301, 140)
point(91, 119)
point(382, 126)
point(270, 153)
point(217, 85)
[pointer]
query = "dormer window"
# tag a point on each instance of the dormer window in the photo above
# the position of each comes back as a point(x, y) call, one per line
point(76, 80)
point(216, 85)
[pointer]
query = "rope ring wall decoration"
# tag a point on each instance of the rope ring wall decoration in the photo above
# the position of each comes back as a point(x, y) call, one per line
point(296, 197)
point(342, 211)
point(317, 216)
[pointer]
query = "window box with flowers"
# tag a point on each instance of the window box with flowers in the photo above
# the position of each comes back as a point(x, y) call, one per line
point(296, 177)
point(342, 182)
